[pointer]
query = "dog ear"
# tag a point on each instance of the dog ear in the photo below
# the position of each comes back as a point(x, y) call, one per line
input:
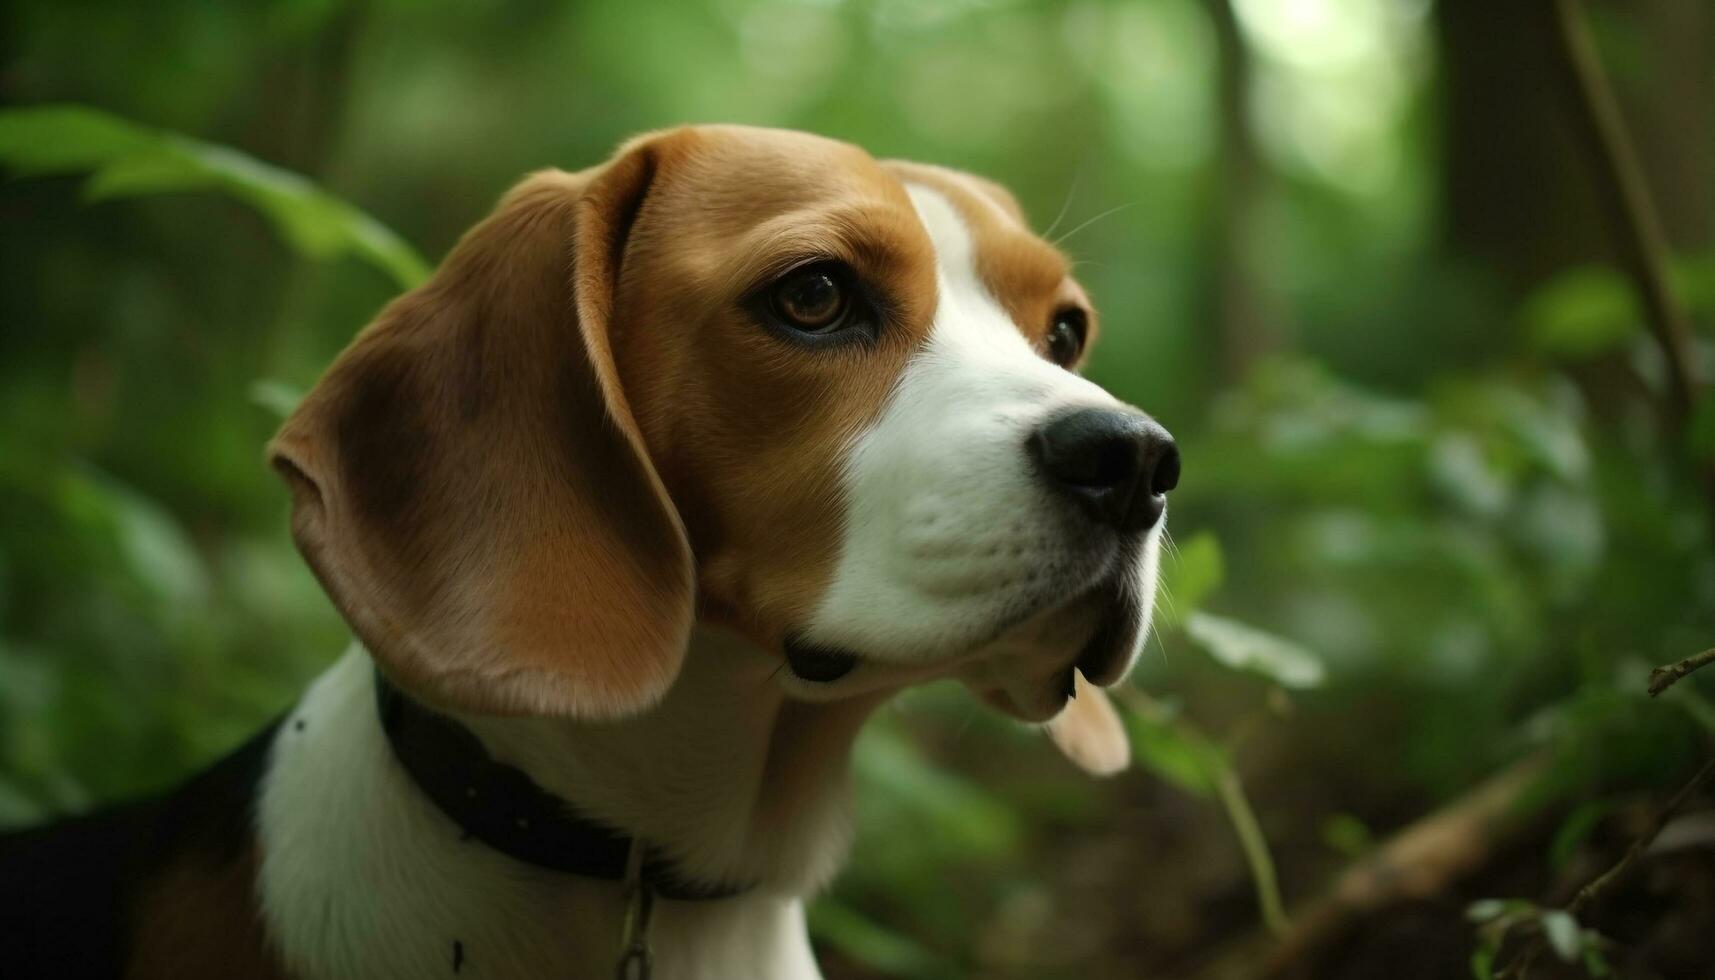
point(469, 483)
point(1089, 732)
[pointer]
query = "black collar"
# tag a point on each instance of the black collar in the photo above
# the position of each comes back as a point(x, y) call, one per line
point(505, 809)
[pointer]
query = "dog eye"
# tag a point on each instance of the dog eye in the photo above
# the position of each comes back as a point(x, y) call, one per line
point(1066, 336)
point(811, 300)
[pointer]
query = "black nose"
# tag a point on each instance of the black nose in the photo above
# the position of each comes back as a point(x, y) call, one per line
point(1118, 465)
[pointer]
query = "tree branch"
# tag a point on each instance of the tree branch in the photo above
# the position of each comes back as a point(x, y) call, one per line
point(1643, 246)
point(1422, 860)
point(1595, 889)
point(1662, 678)
point(1598, 887)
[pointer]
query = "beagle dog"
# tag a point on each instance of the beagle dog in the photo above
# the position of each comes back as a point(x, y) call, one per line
point(675, 470)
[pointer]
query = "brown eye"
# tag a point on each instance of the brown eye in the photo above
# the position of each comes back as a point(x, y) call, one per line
point(1066, 337)
point(811, 300)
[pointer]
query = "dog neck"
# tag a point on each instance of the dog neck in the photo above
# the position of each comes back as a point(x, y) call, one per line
point(726, 777)
point(362, 875)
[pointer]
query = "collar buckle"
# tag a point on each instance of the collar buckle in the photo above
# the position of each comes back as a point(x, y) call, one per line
point(636, 962)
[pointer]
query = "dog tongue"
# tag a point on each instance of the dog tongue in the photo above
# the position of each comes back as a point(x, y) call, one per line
point(818, 664)
point(1090, 732)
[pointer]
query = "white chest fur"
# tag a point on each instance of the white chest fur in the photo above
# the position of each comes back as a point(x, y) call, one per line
point(362, 877)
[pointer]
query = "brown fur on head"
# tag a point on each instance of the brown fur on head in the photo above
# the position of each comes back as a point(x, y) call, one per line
point(528, 477)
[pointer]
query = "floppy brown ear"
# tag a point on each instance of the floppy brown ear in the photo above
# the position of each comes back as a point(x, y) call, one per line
point(1090, 733)
point(468, 481)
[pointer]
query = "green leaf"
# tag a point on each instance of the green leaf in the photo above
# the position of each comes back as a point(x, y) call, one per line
point(1595, 963)
point(1563, 934)
point(1581, 313)
point(64, 139)
point(157, 550)
point(1247, 648)
point(126, 159)
point(1483, 962)
point(1346, 835)
point(891, 953)
point(1191, 573)
point(1485, 909)
point(1693, 280)
point(1494, 910)
point(1591, 310)
point(964, 814)
point(1171, 749)
point(18, 808)
point(1700, 433)
point(277, 397)
point(1575, 829)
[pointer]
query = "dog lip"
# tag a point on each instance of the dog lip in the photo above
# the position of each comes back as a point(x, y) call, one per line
point(818, 664)
point(1103, 657)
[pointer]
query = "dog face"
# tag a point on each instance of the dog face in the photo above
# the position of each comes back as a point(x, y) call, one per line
point(1002, 512)
point(747, 375)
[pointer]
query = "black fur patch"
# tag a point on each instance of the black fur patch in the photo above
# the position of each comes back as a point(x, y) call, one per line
point(68, 888)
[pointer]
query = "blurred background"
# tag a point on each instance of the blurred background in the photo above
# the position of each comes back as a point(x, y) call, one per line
point(1440, 514)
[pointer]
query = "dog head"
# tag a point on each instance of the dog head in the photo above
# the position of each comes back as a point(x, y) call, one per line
point(748, 376)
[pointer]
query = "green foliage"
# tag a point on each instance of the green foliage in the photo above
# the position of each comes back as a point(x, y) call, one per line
point(128, 160)
point(1575, 829)
point(888, 952)
point(1498, 919)
point(1192, 573)
point(1347, 835)
point(1700, 434)
point(1594, 310)
point(1582, 313)
point(1247, 648)
point(949, 814)
point(1441, 514)
point(1173, 751)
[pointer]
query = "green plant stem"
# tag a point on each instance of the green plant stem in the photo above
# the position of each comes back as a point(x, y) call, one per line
point(1230, 790)
point(1232, 795)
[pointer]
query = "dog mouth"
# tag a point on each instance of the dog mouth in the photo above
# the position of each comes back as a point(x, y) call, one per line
point(1100, 623)
point(1104, 657)
point(1105, 624)
point(816, 663)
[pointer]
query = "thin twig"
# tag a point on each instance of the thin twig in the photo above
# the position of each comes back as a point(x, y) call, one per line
point(1662, 678)
point(1643, 246)
point(1595, 889)
point(1598, 887)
